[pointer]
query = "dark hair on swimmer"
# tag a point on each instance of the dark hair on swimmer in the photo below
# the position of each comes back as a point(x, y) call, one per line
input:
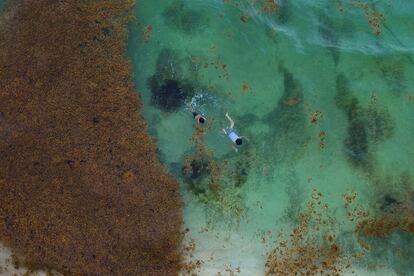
point(239, 141)
point(201, 120)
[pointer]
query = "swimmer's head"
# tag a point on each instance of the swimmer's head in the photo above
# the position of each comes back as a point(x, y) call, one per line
point(201, 120)
point(239, 141)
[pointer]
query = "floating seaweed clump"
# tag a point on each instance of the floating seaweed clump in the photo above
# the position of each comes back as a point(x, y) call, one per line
point(396, 211)
point(278, 9)
point(191, 266)
point(82, 191)
point(214, 62)
point(387, 230)
point(275, 8)
point(374, 17)
point(269, 7)
point(388, 223)
point(312, 248)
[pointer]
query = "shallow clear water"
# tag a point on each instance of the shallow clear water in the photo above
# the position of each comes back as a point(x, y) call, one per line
point(280, 76)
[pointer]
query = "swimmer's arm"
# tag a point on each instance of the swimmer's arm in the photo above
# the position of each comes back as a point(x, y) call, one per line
point(231, 121)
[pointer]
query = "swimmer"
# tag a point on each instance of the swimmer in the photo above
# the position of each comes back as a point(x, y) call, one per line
point(235, 139)
point(199, 118)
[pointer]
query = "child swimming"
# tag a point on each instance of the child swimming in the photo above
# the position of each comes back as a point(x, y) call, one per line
point(200, 119)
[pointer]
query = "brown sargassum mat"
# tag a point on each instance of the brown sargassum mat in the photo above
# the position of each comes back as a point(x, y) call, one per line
point(81, 189)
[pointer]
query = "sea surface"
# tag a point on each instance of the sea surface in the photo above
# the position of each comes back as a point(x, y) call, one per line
point(322, 91)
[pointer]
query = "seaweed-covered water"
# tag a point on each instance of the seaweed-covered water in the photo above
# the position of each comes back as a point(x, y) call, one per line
point(323, 92)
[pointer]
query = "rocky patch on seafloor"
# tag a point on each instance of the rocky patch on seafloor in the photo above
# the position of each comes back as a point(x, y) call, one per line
point(367, 126)
point(201, 168)
point(239, 167)
point(288, 121)
point(391, 191)
point(183, 17)
point(172, 84)
point(385, 232)
point(383, 235)
point(392, 70)
point(296, 200)
point(216, 183)
point(240, 173)
point(197, 173)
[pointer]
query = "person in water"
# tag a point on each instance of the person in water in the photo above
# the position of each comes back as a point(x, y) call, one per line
point(235, 139)
point(199, 118)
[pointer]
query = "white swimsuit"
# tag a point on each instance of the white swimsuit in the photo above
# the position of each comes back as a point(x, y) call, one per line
point(232, 135)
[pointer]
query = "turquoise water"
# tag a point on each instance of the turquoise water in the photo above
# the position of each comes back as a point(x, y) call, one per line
point(324, 102)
